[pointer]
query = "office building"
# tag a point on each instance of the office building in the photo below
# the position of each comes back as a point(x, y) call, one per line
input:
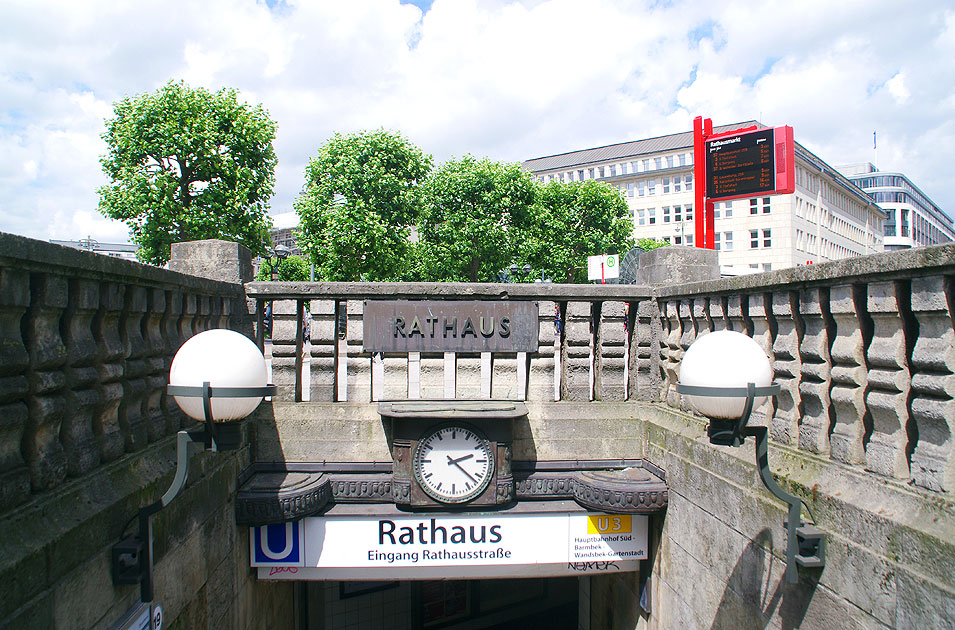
point(912, 219)
point(826, 218)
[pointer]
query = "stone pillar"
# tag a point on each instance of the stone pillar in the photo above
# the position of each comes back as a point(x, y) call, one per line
point(284, 328)
point(816, 367)
point(323, 338)
point(359, 362)
point(14, 360)
point(47, 380)
point(109, 368)
point(609, 360)
point(576, 350)
point(645, 357)
point(849, 374)
point(889, 380)
point(933, 383)
point(214, 259)
point(82, 396)
point(673, 351)
point(787, 366)
point(677, 265)
point(540, 382)
point(134, 382)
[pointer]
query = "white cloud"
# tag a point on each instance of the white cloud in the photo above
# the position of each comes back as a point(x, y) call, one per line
point(510, 80)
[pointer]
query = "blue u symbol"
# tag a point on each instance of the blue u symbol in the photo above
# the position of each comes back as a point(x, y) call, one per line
point(278, 543)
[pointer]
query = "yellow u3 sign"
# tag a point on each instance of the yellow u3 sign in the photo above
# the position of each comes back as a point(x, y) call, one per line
point(609, 524)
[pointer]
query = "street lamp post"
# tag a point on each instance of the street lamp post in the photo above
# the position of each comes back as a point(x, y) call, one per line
point(722, 375)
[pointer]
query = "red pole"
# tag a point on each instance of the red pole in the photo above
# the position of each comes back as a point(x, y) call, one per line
point(698, 175)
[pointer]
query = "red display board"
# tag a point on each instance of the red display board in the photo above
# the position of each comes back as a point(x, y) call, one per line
point(749, 164)
point(737, 164)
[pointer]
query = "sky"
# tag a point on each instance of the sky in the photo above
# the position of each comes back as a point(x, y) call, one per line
point(503, 79)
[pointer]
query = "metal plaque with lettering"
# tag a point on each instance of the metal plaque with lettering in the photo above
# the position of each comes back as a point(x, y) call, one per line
point(401, 326)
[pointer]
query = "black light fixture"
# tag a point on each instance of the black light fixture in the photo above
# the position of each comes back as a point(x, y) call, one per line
point(279, 252)
point(217, 377)
point(724, 376)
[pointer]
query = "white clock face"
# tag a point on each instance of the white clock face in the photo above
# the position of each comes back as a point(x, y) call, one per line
point(453, 464)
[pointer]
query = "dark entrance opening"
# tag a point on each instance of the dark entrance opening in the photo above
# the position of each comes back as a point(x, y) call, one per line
point(511, 604)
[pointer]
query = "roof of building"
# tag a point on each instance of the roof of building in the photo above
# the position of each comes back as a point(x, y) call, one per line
point(682, 140)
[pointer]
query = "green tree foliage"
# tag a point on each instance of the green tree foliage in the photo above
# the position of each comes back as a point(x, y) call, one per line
point(472, 220)
point(292, 269)
point(188, 164)
point(359, 203)
point(646, 244)
point(572, 221)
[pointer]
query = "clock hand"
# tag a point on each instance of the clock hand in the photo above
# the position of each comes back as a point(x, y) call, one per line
point(461, 468)
point(460, 459)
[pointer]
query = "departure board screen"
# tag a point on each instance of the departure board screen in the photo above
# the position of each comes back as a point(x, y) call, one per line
point(741, 165)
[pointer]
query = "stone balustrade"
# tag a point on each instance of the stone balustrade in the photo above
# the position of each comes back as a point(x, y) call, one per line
point(86, 342)
point(862, 349)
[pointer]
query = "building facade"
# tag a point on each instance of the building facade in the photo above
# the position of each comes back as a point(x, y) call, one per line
point(826, 218)
point(912, 219)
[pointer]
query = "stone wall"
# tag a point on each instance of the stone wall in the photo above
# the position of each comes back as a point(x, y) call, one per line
point(87, 437)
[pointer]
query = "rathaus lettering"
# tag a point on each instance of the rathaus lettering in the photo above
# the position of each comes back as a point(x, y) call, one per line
point(447, 327)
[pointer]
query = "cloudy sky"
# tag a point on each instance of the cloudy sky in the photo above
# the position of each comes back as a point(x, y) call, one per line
point(506, 79)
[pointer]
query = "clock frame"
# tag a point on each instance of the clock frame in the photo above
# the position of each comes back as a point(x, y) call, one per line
point(453, 462)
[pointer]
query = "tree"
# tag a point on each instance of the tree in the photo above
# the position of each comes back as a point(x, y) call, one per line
point(646, 244)
point(360, 200)
point(472, 219)
point(291, 269)
point(188, 164)
point(573, 221)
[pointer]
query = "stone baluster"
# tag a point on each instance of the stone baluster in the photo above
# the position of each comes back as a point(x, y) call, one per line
point(203, 319)
point(758, 309)
point(157, 422)
point(14, 361)
point(172, 340)
point(577, 352)
point(540, 380)
point(190, 306)
point(359, 362)
point(717, 314)
point(609, 360)
point(134, 382)
point(284, 330)
point(849, 373)
point(889, 379)
point(688, 324)
point(933, 383)
point(47, 401)
point(735, 316)
point(110, 369)
point(323, 338)
point(816, 367)
point(646, 360)
point(82, 395)
point(673, 352)
point(787, 366)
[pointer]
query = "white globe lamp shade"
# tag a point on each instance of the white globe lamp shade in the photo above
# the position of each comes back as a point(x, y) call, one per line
point(223, 358)
point(724, 359)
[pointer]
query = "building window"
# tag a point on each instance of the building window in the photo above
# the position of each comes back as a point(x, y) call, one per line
point(630, 189)
point(652, 215)
point(666, 184)
point(767, 266)
point(580, 175)
point(678, 213)
point(689, 239)
point(600, 171)
point(646, 165)
point(613, 170)
point(652, 187)
point(688, 180)
point(677, 240)
point(641, 217)
point(590, 173)
point(683, 159)
point(728, 241)
point(669, 161)
point(754, 239)
point(765, 205)
point(716, 241)
point(658, 163)
point(641, 188)
point(666, 214)
point(633, 166)
point(767, 237)
point(689, 213)
point(753, 209)
point(677, 184)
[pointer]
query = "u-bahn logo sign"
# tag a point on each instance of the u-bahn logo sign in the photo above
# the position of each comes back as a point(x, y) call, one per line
point(400, 326)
